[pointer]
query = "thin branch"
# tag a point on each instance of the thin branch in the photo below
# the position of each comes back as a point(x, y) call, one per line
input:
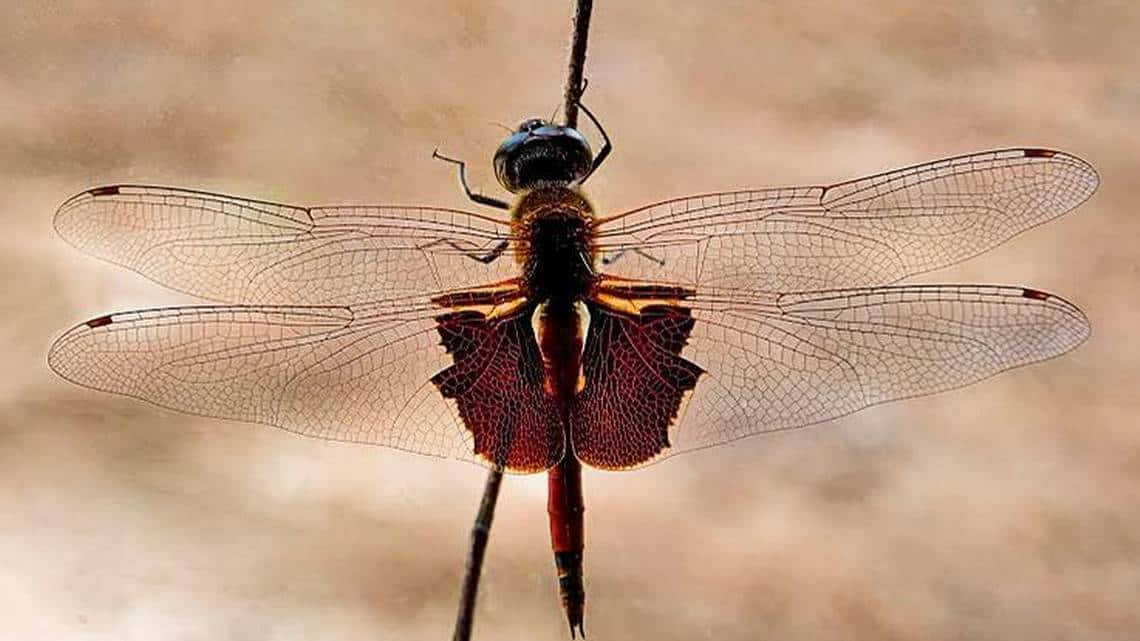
point(481, 530)
point(577, 60)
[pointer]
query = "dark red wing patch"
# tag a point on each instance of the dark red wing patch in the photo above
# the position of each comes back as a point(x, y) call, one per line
point(635, 381)
point(497, 383)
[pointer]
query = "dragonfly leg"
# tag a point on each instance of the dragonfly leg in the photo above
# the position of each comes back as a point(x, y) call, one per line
point(610, 259)
point(479, 198)
point(607, 146)
point(492, 255)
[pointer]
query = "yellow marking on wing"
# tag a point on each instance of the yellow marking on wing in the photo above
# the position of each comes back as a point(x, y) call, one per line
point(503, 310)
point(632, 306)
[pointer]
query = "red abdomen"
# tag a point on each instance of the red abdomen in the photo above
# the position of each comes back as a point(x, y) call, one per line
point(561, 327)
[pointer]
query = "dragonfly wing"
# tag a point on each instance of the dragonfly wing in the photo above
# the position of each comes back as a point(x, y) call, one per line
point(797, 359)
point(769, 362)
point(497, 384)
point(862, 232)
point(635, 382)
point(234, 249)
point(367, 373)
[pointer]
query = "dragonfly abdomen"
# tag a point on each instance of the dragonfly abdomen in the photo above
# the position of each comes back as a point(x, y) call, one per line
point(560, 328)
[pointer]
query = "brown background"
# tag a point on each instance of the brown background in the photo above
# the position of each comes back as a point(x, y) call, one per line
point(1006, 510)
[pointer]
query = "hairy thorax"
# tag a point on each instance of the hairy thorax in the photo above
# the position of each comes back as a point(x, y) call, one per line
point(554, 244)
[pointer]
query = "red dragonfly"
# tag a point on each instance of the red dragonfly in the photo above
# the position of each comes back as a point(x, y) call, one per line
point(555, 337)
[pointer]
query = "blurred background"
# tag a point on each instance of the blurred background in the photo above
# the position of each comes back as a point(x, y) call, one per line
point(1005, 510)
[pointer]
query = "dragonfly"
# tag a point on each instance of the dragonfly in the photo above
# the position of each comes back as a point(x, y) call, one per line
point(552, 336)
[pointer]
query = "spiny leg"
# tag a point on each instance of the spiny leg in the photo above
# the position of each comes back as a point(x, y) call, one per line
point(607, 146)
point(611, 259)
point(488, 257)
point(479, 198)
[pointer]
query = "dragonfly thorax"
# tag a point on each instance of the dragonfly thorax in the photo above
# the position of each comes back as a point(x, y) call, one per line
point(542, 154)
point(554, 230)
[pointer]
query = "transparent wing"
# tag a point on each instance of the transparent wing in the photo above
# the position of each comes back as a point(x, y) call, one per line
point(869, 231)
point(356, 373)
point(774, 362)
point(233, 249)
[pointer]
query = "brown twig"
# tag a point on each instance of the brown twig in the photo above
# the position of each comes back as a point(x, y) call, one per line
point(577, 60)
point(481, 530)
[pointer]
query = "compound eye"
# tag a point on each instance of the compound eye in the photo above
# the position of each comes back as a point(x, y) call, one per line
point(531, 124)
point(548, 130)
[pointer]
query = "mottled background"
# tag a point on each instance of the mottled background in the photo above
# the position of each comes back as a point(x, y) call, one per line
point(1006, 510)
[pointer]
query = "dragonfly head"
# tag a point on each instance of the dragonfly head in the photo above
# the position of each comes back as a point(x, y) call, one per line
point(542, 154)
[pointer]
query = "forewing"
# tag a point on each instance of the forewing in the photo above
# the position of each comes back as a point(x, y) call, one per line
point(359, 373)
point(241, 250)
point(869, 231)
